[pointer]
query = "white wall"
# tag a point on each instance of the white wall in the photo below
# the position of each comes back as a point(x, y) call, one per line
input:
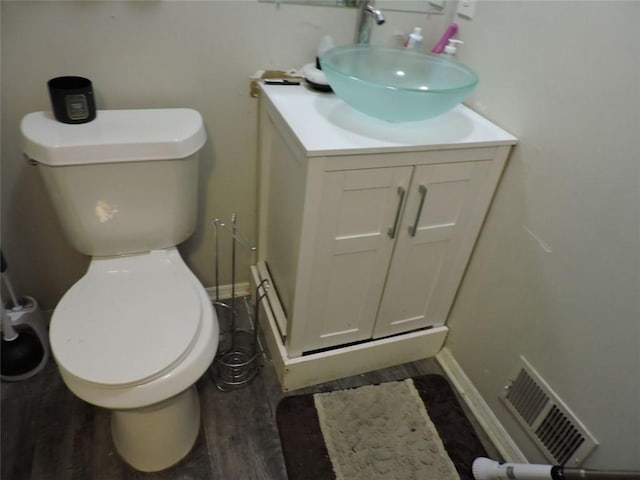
point(145, 54)
point(556, 274)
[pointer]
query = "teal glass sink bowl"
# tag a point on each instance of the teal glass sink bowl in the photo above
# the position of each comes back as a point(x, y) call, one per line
point(396, 84)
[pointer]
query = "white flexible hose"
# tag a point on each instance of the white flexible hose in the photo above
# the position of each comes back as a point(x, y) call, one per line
point(486, 469)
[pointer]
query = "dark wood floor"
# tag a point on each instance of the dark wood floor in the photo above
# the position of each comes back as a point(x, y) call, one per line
point(48, 433)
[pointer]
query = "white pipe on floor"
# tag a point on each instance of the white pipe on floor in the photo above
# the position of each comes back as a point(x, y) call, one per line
point(486, 469)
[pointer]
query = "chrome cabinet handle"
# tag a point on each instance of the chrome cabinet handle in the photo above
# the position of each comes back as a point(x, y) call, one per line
point(423, 194)
point(392, 231)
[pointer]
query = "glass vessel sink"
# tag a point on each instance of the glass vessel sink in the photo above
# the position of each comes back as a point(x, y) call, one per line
point(396, 84)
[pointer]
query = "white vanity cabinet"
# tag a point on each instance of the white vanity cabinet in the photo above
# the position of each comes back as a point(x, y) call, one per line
point(365, 230)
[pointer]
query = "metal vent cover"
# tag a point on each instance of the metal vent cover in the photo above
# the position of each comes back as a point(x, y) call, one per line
point(558, 433)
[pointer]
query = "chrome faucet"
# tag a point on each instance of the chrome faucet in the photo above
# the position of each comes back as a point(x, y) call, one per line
point(368, 13)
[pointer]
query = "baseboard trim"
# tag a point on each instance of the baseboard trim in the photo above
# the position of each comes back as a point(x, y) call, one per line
point(480, 409)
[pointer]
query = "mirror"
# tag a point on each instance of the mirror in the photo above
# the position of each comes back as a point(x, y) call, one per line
point(321, 3)
point(417, 6)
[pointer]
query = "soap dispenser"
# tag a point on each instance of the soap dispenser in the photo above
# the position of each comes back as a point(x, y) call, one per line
point(451, 48)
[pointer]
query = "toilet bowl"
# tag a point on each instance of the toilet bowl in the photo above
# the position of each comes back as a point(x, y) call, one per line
point(133, 335)
point(136, 332)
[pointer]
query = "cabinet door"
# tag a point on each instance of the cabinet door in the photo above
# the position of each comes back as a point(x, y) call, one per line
point(351, 255)
point(433, 246)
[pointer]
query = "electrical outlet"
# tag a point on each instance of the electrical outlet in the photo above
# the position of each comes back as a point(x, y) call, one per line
point(466, 8)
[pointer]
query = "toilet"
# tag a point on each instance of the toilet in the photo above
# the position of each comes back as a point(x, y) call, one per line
point(137, 331)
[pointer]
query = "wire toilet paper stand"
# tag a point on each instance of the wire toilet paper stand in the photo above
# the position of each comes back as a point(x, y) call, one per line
point(236, 363)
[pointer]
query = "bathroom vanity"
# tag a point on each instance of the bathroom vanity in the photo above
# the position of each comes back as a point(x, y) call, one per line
point(365, 230)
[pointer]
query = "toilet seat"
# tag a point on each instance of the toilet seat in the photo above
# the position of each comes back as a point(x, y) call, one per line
point(128, 321)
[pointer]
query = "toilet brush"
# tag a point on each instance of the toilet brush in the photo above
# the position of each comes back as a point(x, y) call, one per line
point(22, 351)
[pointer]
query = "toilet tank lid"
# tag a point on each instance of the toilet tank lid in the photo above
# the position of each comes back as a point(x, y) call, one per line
point(114, 136)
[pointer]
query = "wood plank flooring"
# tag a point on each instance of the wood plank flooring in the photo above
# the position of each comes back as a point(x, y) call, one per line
point(49, 434)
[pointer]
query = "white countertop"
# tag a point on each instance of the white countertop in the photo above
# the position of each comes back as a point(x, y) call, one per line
point(326, 125)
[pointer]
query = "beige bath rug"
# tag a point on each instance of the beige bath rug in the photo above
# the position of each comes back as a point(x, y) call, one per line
point(411, 429)
point(382, 431)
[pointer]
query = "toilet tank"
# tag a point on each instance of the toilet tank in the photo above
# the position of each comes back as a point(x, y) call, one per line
point(123, 183)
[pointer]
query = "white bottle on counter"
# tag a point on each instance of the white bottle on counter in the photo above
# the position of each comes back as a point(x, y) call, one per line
point(415, 39)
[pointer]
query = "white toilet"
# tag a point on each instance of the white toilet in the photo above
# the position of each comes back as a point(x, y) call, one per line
point(136, 332)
